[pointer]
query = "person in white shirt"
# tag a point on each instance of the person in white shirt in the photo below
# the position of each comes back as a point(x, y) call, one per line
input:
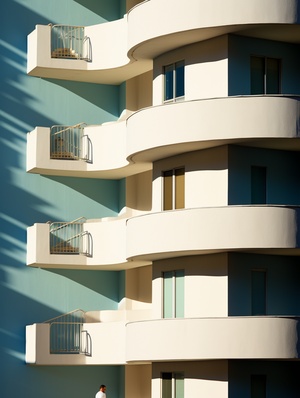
point(102, 392)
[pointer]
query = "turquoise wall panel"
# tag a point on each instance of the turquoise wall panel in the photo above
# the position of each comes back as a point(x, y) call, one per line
point(35, 295)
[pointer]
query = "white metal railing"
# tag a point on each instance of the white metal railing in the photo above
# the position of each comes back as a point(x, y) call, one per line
point(70, 42)
point(67, 335)
point(70, 238)
point(70, 143)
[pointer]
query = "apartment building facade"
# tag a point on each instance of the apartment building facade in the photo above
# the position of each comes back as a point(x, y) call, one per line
point(161, 198)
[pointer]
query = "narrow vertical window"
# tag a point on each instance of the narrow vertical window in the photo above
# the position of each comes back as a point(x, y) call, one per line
point(265, 75)
point(174, 81)
point(173, 189)
point(173, 294)
point(258, 386)
point(258, 185)
point(258, 292)
point(172, 385)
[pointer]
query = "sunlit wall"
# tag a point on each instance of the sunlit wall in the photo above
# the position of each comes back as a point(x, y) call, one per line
point(35, 295)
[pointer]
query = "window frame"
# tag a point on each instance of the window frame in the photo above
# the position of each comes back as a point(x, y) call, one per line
point(174, 69)
point(177, 301)
point(174, 377)
point(265, 74)
point(176, 199)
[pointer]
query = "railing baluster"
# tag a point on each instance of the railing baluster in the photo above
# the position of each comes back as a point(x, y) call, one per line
point(69, 42)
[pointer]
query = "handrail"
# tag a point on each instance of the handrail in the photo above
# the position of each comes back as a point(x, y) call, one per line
point(66, 314)
point(67, 128)
point(66, 224)
point(70, 42)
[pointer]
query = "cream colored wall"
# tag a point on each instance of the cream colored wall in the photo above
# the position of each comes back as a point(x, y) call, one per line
point(139, 192)
point(139, 91)
point(205, 285)
point(201, 379)
point(206, 178)
point(206, 70)
point(138, 289)
point(138, 381)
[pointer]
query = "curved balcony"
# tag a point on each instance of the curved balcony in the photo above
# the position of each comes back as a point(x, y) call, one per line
point(103, 150)
point(178, 24)
point(98, 253)
point(136, 40)
point(99, 340)
point(128, 147)
point(262, 121)
point(217, 338)
point(187, 232)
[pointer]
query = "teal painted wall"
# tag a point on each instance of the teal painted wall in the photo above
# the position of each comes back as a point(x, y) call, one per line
point(282, 178)
point(240, 50)
point(282, 283)
point(282, 378)
point(35, 295)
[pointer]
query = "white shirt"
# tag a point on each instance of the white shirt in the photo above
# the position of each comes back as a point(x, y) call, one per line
point(100, 394)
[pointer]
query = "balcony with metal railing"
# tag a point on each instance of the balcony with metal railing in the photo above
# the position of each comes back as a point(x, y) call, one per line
point(70, 42)
point(81, 338)
point(71, 245)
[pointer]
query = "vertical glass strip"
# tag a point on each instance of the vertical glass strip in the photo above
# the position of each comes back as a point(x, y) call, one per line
point(179, 79)
point(258, 386)
point(273, 76)
point(258, 185)
point(179, 294)
point(167, 385)
point(169, 82)
point(168, 190)
point(257, 75)
point(168, 295)
point(179, 385)
point(179, 188)
point(258, 292)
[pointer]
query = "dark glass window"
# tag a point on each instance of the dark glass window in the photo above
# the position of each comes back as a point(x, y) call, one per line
point(258, 185)
point(174, 81)
point(265, 75)
point(258, 292)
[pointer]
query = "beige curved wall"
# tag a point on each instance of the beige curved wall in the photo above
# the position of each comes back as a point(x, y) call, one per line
point(195, 231)
point(218, 338)
point(204, 123)
point(196, 18)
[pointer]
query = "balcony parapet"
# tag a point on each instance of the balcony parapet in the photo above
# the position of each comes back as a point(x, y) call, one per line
point(263, 229)
point(129, 146)
point(202, 20)
point(213, 338)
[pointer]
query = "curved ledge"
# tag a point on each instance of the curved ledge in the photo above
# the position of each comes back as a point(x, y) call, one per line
point(255, 120)
point(119, 148)
point(202, 20)
point(208, 230)
point(200, 339)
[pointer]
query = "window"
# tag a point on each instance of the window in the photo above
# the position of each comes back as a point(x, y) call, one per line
point(258, 185)
point(258, 292)
point(265, 75)
point(173, 294)
point(258, 386)
point(172, 385)
point(173, 189)
point(174, 81)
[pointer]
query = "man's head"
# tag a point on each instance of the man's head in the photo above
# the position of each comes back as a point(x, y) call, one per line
point(102, 388)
